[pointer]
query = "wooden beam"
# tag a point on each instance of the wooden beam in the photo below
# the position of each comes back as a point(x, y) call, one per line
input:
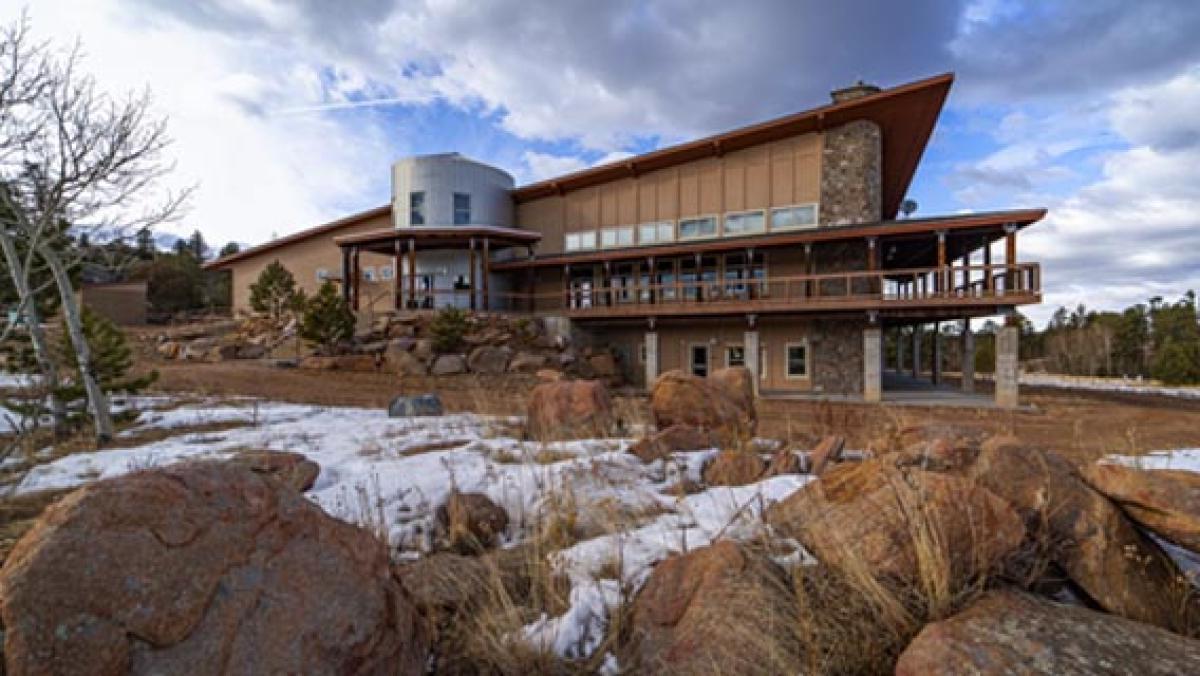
point(346, 274)
point(397, 291)
point(354, 276)
point(471, 283)
point(1012, 282)
point(988, 282)
point(412, 272)
point(487, 271)
point(939, 279)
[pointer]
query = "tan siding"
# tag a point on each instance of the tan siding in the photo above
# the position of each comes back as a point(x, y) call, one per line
point(758, 185)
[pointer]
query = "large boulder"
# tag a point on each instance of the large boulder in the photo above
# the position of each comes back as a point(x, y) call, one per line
point(737, 383)
point(663, 443)
point(828, 451)
point(292, 468)
point(449, 365)
point(714, 607)
point(527, 362)
point(1164, 501)
point(1085, 534)
point(569, 409)
point(420, 405)
point(715, 404)
point(734, 468)
point(901, 524)
point(489, 359)
point(403, 363)
point(1008, 632)
point(603, 365)
point(198, 565)
point(471, 521)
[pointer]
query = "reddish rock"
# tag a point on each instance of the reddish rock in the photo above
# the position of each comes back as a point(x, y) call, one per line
point(1089, 537)
point(569, 410)
point(786, 461)
point(527, 362)
point(1008, 632)
point(829, 450)
point(471, 521)
point(291, 468)
point(734, 468)
point(489, 359)
point(712, 405)
point(675, 438)
point(1164, 501)
point(318, 363)
point(737, 383)
point(208, 563)
point(888, 518)
point(548, 375)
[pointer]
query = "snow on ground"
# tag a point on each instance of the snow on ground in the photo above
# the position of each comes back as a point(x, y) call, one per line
point(1187, 459)
point(1128, 385)
point(390, 474)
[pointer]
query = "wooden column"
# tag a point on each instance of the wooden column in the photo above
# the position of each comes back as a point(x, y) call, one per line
point(939, 280)
point(989, 287)
point(566, 287)
point(809, 265)
point(487, 271)
point(412, 272)
point(396, 276)
point(606, 284)
point(652, 296)
point(471, 270)
point(1010, 258)
point(346, 274)
point(354, 277)
point(874, 285)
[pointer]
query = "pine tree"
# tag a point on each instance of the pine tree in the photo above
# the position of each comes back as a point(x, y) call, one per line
point(327, 319)
point(112, 360)
point(229, 249)
point(197, 245)
point(145, 244)
point(274, 291)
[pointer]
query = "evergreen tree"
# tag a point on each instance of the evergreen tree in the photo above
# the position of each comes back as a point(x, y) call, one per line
point(145, 244)
point(327, 318)
point(229, 249)
point(274, 292)
point(112, 361)
point(447, 328)
point(197, 246)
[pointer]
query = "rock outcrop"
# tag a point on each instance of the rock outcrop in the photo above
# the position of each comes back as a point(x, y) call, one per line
point(1166, 502)
point(292, 468)
point(569, 409)
point(734, 468)
point(718, 404)
point(663, 443)
point(203, 564)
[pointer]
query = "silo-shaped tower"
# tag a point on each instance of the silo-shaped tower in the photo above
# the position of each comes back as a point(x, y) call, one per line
point(448, 189)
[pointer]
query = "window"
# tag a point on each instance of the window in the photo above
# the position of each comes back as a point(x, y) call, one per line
point(578, 241)
point(745, 223)
point(735, 355)
point(416, 208)
point(699, 361)
point(462, 208)
point(656, 233)
point(692, 228)
point(385, 272)
point(797, 360)
point(614, 237)
point(368, 273)
point(804, 216)
point(322, 274)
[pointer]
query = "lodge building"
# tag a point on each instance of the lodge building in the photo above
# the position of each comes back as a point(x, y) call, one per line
point(777, 246)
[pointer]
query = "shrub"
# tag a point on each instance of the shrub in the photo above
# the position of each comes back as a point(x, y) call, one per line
point(447, 329)
point(274, 291)
point(112, 360)
point(1177, 363)
point(327, 319)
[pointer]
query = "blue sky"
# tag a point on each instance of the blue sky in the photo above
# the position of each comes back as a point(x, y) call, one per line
point(288, 113)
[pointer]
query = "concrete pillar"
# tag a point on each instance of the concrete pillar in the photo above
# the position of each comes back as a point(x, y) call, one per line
point(936, 367)
point(651, 358)
point(916, 351)
point(968, 357)
point(872, 364)
point(1007, 366)
point(750, 350)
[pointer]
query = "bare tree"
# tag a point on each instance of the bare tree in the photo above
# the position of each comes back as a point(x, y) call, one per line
point(91, 163)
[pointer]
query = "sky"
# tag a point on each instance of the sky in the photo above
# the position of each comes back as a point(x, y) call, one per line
point(286, 114)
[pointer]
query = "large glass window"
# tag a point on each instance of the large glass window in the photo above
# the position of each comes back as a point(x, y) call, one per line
point(416, 208)
point(803, 216)
point(745, 276)
point(616, 237)
point(693, 228)
point(462, 208)
point(656, 233)
point(580, 241)
point(797, 360)
point(746, 223)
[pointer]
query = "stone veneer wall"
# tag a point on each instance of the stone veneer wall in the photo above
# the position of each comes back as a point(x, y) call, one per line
point(850, 174)
point(837, 353)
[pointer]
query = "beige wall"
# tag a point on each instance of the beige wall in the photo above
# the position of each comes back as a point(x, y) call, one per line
point(775, 174)
point(304, 257)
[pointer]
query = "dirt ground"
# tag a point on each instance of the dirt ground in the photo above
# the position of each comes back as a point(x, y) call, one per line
point(1083, 426)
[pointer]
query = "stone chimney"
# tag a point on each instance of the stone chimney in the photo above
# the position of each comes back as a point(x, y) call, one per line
point(855, 91)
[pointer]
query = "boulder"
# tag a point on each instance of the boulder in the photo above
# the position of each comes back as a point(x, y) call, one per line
point(292, 468)
point(423, 349)
point(449, 365)
point(889, 520)
point(829, 450)
point(420, 405)
point(697, 610)
point(569, 409)
point(675, 438)
point(251, 351)
point(682, 399)
point(737, 383)
point(734, 468)
point(786, 461)
point(206, 563)
point(1009, 632)
point(1166, 502)
point(227, 351)
point(373, 347)
point(1088, 536)
point(315, 362)
point(403, 363)
point(471, 521)
point(168, 349)
point(527, 362)
point(489, 359)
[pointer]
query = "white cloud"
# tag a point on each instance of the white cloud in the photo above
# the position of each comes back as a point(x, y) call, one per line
point(547, 165)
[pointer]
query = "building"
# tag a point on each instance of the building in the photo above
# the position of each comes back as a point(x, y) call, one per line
point(776, 246)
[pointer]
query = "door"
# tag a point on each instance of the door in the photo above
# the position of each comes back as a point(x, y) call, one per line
point(699, 360)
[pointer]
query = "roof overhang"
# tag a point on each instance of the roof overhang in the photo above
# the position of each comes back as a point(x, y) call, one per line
point(437, 237)
point(992, 221)
point(906, 116)
point(324, 229)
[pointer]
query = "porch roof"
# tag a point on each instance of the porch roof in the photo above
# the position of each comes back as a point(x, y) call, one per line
point(427, 237)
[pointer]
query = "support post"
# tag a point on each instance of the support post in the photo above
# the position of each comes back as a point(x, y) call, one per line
point(412, 272)
point(989, 285)
point(651, 355)
point(873, 363)
point(1011, 283)
point(940, 277)
point(750, 350)
point(346, 274)
point(487, 272)
point(968, 357)
point(936, 367)
point(472, 282)
point(900, 348)
point(1007, 365)
point(396, 276)
point(916, 350)
point(355, 276)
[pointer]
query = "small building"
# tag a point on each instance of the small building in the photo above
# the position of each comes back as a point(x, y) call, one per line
point(776, 247)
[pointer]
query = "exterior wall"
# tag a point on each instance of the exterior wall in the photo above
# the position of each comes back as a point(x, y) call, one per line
point(305, 257)
point(123, 304)
point(781, 173)
point(851, 160)
point(439, 177)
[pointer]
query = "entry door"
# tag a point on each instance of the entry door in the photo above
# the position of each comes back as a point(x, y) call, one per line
point(699, 360)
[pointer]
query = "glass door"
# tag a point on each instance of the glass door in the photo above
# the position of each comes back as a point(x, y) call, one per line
point(699, 360)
